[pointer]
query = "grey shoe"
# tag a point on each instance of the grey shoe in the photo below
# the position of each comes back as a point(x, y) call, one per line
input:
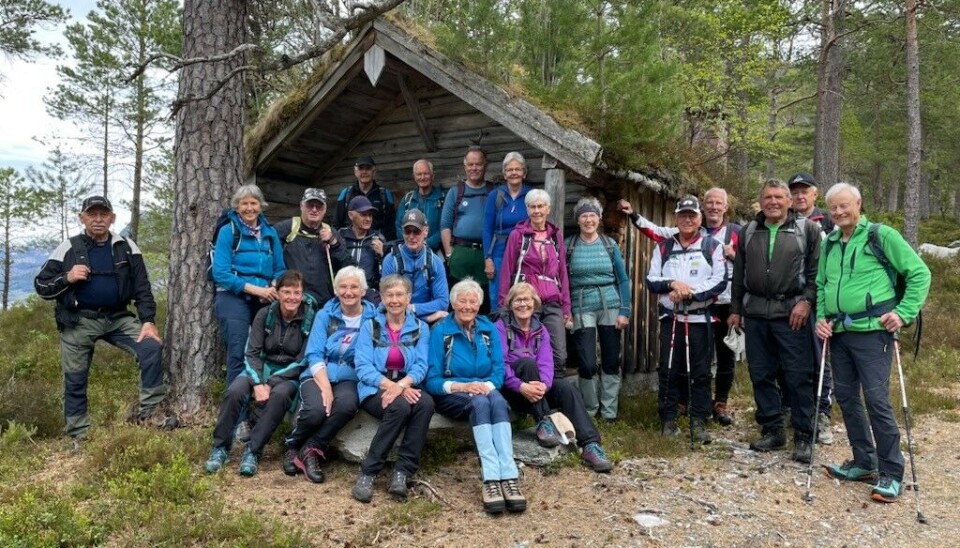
point(493, 502)
point(218, 457)
point(824, 433)
point(771, 440)
point(363, 489)
point(669, 429)
point(398, 485)
point(700, 433)
point(802, 451)
point(512, 497)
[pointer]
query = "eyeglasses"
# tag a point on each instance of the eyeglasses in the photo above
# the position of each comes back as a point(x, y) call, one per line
point(523, 300)
point(314, 205)
point(412, 230)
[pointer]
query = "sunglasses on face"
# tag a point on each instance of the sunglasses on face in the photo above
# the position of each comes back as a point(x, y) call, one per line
point(412, 230)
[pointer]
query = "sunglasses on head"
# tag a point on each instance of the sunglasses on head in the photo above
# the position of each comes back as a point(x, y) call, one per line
point(411, 230)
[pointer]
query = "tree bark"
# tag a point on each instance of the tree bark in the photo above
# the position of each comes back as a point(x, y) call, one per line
point(911, 201)
point(893, 194)
point(826, 154)
point(208, 149)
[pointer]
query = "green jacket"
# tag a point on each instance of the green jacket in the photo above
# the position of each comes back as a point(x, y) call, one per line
point(849, 277)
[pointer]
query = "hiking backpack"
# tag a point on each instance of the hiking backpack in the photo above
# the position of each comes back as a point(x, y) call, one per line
point(525, 243)
point(222, 220)
point(608, 244)
point(448, 351)
point(668, 249)
point(461, 191)
point(376, 330)
point(427, 267)
point(309, 314)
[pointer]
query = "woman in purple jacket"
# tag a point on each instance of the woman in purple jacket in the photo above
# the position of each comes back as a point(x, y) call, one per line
point(535, 254)
point(528, 383)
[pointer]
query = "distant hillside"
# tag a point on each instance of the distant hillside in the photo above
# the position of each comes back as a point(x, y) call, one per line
point(25, 266)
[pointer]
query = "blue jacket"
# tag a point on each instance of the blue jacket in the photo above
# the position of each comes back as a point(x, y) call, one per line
point(432, 207)
point(480, 360)
point(498, 223)
point(324, 346)
point(426, 298)
point(255, 262)
point(370, 359)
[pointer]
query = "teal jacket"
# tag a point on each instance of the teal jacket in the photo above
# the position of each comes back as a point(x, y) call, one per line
point(370, 356)
point(850, 279)
point(478, 361)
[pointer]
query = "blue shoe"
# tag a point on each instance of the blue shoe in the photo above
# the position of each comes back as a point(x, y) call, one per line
point(887, 489)
point(596, 458)
point(218, 457)
point(547, 435)
point(249, 463)
point(849, 471)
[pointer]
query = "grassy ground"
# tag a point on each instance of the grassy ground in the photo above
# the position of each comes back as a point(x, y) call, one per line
point(138, 486)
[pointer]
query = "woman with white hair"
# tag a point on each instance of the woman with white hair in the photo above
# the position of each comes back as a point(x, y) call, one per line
point(247, 257)
point(328, 386)
point(464, 377)
point(600, 298)
point(536, 254)
point(504, 209)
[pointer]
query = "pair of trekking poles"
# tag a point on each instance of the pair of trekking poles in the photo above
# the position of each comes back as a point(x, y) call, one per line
point(686, 339)
point(808, 496)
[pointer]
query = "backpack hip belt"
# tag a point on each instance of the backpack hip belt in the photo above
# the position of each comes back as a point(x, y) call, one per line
point(467, 243)
point(876, 310)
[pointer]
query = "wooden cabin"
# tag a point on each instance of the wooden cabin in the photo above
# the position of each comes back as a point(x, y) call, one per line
point(391, 96)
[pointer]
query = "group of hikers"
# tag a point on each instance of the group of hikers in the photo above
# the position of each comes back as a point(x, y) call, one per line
point(459, 302)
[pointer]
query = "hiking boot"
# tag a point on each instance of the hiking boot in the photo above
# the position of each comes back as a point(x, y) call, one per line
point(849, 471)
point(76, 444)
point(802, 451)
point(249, 463)
point(308, 460)
point(721, 414)
point(493, 502)
point(596, 458)
point(771, 440)
point(363, 489)
point(700, 433)
point(218, 457)
point(547, 435)
point(669, 429)
point(824, 433)
point(887, 489)
point(242, 434)
point(398, 485)
point(289, 464)
point(512, 497)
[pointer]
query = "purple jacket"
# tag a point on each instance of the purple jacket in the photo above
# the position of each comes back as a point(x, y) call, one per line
point(548, 277)
point(524, 344)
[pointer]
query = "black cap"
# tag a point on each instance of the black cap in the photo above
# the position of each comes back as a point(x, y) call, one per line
point(690, 203)
point(802, 178)
point(365, 161)
point(96, 201)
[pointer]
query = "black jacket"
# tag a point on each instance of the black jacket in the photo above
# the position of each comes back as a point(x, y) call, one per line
point(764, 288)
point(384, 219)
point(132, 281)
point(308, 254)
point(276, 352)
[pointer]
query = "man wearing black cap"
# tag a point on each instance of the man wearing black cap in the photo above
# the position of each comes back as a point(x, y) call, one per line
point(93, 276)
point(364, 244)
point(310, 246)
point(803, 189)
point(384, 219)
point(414, 259)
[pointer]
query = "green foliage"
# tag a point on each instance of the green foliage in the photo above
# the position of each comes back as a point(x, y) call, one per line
point(20, 19)
point(63, 190)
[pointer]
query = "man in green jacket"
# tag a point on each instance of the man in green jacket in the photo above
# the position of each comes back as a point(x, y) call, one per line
point(858, 311)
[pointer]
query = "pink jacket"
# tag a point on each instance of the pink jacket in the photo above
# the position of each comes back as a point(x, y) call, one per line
point(548, 277)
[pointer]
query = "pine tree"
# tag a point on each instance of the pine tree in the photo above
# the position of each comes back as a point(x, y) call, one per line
point(18, 203)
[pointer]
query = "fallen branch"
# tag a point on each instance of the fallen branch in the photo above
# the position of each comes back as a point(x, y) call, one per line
point(432, 491)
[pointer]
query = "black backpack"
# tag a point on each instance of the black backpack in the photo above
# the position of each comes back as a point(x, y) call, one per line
point(222, 220)
point(428, 269)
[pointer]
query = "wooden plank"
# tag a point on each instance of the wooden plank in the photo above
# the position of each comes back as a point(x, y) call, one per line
point(373, 62)
point(568, 146)
point(358, 138)
point(320, 97)
point(555, 184)
point(414, 105)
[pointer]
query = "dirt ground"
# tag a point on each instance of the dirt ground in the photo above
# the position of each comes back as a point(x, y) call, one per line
point(720, 495)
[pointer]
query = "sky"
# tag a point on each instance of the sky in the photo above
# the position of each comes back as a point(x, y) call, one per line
point(27, 133)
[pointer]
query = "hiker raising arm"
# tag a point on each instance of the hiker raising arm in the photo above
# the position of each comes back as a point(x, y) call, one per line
point(861, 338)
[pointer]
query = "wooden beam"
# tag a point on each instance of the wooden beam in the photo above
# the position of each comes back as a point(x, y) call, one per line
point(571, 148)
point(555, 183)
point(321, 95)
point(414, 105)
point(358, 138)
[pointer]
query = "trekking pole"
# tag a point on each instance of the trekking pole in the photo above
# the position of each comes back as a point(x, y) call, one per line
point(686, 340)
point(808, 497)
point(327, 249)
point(906, 421)
point(673, 335)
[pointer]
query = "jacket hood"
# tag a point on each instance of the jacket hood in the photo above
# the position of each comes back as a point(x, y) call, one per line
point(334, 309)
point(525, 228)
point(510, 321)
point(235, 219)
point(347, 234)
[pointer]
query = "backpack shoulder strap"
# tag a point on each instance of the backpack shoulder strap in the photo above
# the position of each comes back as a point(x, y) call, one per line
point(80, 253)
point(873, 240)
point(294, 229)
point(333, 324)
point(461, 190)
point(801, 233)
point(748, 233)
point(408, 199)
point(728, 234)
point(708, 247)
point(398, 258)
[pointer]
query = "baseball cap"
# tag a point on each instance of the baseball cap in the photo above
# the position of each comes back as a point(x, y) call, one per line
point(96, 201)
point(314, 194)
point(415, 217)
point(802, 178)
point(690, 203)
point(360, 204)
point(365, 161)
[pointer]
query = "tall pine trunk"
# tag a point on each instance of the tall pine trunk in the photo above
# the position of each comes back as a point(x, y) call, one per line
point(826, 153)
point(911, 199)
point(208, 149)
